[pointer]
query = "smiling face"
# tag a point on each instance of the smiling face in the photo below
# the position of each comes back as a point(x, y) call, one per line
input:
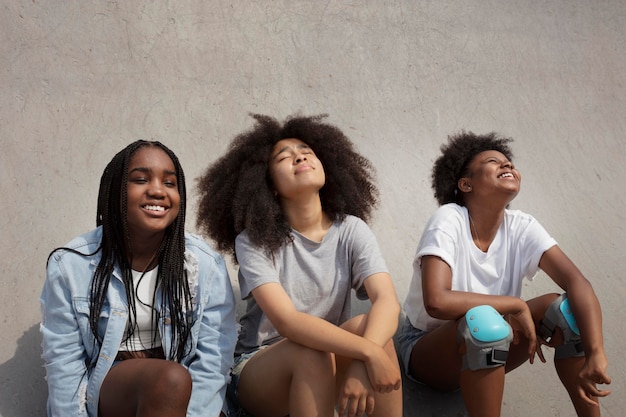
point(153, 200)
point(295, 169)
point(491, 172)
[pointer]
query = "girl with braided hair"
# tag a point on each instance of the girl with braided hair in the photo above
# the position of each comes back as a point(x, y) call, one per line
point(290, 201)
point(467, 324)
point(138, 316)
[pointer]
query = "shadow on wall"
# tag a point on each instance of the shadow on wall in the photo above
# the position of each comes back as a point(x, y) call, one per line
point(23, 389)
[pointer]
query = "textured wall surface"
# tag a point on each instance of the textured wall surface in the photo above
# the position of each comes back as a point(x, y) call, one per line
point(79, 79)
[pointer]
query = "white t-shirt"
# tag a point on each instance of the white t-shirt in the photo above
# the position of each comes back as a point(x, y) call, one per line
point(513, 255)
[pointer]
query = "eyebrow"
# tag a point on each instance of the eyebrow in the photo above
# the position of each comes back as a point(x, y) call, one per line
point(286, 148)
point(144, 169)
point(497, 157)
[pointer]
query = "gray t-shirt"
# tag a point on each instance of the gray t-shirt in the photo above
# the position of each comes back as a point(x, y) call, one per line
point(316, 276)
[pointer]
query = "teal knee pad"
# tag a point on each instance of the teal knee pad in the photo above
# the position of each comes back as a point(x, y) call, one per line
point(487, 338)
point(560, 314)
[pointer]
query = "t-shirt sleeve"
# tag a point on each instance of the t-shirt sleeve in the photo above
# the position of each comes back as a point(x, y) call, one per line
point(441, 237)
point(365, 255)
point(534, 242)
point(255, 266)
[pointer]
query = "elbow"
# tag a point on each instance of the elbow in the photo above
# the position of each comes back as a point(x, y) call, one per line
point(435, 307)
point(390, 304)
point(396, 308)
point(287, 327)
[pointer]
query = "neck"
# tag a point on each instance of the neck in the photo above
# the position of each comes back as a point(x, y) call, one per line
point(145, 254)
point(307, 217)
point(484, 224)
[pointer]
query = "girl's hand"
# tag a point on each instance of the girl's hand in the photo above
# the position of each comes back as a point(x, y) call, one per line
point(384, 374)
point(356, 395)
point(522, 324)
point(593, 372)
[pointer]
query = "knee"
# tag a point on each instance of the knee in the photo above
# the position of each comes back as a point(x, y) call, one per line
point(486, 336)
point(171, 383)
point(314, 364)
point(559, 329)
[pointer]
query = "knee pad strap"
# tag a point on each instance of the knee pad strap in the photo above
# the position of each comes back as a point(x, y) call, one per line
point(487, 338)
point(560, 314)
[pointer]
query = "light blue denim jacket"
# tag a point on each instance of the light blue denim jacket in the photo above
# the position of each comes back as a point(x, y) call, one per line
point(68, 344)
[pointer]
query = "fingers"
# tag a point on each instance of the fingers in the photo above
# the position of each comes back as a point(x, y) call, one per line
point(342, 404)
point(387, 388)
point(540, 352)
point(356, 406)
point(588, 389)
point(602, 378)
point(533, 348)
point(590, 397)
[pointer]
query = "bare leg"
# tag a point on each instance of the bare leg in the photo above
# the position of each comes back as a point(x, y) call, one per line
point(145, 387)
point(389, 404)
point(288, 378)
point(482, 391)
point(386, 404)
point(568, 370)
point(518, 351)
point(436, 360)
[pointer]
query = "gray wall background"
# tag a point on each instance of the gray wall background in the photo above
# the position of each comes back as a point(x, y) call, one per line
point(81, 79)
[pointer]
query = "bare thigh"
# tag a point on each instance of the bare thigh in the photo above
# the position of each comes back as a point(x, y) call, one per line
point(266, 381)
point(275, 374)
point(135, 387)
point(436, 360)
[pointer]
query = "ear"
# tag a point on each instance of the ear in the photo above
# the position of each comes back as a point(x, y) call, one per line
point(464, 185)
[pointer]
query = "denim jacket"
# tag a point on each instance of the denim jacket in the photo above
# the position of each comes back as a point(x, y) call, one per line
point(68, 344)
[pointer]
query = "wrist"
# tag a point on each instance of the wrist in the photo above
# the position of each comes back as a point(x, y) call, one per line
point(369, 350)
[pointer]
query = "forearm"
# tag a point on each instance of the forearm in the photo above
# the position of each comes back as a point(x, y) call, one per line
point(588, 313)
point(319, 334)
point(443, 303)
point(454, 304)
point(583, 300)
point(382, 320)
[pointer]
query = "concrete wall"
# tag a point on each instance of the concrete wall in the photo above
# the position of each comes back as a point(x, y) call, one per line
point(81, 79)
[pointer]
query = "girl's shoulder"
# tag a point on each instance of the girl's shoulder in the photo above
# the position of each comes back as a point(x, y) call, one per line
point(350, 224)
point(450, 209)
point(200, 248)
point(87, 243)
point(448, 215)
point(518, 218)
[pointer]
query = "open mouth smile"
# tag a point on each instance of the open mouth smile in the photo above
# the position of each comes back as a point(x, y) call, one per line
point(154, 208)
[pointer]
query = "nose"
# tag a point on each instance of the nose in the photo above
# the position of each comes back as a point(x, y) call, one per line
point(300, 157)
point(507, 164)
point(156, 190)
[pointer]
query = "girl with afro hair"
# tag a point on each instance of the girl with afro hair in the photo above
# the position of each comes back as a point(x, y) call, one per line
point(470, 263)
point(289, 201)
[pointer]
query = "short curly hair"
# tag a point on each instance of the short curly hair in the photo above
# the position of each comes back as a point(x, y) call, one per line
point(456, 156)
point(236, 191)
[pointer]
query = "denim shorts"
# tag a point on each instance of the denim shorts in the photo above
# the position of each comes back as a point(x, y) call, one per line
point(407, 338)
point(232, 391)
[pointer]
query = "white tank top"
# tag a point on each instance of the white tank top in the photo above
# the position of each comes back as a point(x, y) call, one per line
point(142, 339)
